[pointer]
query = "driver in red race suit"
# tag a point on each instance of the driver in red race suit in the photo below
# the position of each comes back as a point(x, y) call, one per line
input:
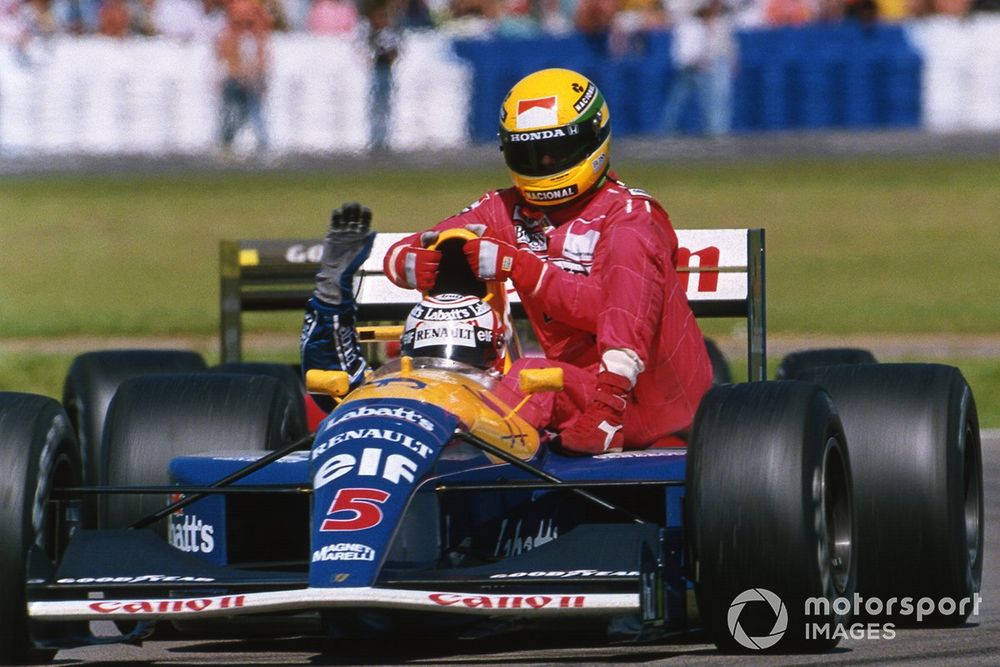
point(593, 262)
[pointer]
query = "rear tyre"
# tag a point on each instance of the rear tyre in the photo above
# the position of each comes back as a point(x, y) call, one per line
point(289, 376)
point(720, 367)
point(38, 452)
point(92, 381)
point(155, 418)
point(918, 483)
point(793, 365)
point(769, 515)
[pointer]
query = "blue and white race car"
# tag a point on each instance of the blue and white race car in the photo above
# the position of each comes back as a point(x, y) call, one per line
point(198, 497)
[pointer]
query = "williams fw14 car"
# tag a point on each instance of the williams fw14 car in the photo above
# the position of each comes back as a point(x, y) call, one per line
point(163, 493)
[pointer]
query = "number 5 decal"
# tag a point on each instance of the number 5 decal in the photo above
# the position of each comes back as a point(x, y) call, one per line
point(363, 503)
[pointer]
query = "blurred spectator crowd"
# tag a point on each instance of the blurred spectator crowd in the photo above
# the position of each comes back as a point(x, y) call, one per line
point(22, 20)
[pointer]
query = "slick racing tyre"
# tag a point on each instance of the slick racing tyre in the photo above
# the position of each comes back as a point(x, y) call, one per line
point(156, 418)
point(793, 365)
point(768, 515)
point(38, 453)
point(287, 375)
point(918, 484)
point(720, 367)
point(91, 382)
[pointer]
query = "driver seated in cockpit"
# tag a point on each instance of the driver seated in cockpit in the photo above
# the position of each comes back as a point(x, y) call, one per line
point(452, 331)
point(458, 328)
point(455, 331)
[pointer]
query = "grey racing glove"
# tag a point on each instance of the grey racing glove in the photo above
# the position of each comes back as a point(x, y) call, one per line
point(348, 244)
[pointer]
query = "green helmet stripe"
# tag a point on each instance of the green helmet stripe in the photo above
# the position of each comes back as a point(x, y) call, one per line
point(591, 110)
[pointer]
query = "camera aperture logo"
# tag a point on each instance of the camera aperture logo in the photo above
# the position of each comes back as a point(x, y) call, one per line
point(878, 613)
point(762, 642)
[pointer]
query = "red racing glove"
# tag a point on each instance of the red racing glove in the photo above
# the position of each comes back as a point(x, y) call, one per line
point(598, 429)
point(491, 259)
point(414, 266)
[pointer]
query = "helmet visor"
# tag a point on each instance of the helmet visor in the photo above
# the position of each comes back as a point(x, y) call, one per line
point(552, 150)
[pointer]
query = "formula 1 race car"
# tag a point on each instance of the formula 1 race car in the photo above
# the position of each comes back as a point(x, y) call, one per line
point(199, 498)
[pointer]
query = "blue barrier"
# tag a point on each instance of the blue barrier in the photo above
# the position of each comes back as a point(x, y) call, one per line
point(843, 76)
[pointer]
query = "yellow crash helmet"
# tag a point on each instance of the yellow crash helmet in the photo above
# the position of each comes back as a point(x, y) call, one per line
point(555, 134)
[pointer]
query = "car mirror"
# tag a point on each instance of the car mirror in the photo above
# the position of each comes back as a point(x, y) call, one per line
point(534, 380)
point(336, 384)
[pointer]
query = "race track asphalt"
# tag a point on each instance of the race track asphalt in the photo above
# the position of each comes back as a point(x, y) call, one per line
point(976, 643)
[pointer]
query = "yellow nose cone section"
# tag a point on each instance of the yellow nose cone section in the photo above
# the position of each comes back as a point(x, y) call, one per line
point(478, 409)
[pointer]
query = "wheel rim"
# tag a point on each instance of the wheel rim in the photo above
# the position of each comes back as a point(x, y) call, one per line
point(61, 516)
point(973, 496)
point(837, 510)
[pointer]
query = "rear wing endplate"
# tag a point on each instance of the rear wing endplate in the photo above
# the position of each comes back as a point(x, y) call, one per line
point(722, 271)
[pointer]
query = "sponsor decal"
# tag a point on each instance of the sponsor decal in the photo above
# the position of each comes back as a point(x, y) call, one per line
point(514, 544)
point(405, 414)
point(139, 579)
point(191, 534)
point(359, 509)
point(344, 551)
point(538, 135)
point(565, 574)
point(706, 258)
point(451, 311)
point(509, 601)
point(453, 334)
point(599, 162)
point(301, 253)
point(168, 606)
point(294, 457)
point(537, 112)
point(392, 468)
point(414, 445)
point(642, 454)
point(531, 227)
point(586, 98)
point(578, 247)
point(551, 195)
point(362, 472)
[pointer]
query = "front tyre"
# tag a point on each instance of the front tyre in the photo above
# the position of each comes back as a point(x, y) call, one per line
point(38, 453)
point(769, 516)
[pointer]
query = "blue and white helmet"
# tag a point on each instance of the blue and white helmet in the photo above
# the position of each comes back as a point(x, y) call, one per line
point(457, 327)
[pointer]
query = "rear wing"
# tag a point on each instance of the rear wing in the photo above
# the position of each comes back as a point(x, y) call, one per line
point(722, 271)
